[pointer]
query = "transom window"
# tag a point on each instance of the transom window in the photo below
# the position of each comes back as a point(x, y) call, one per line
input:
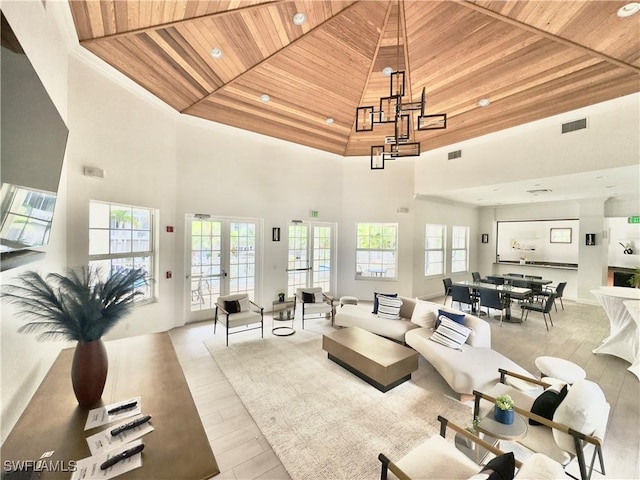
point(121, 237)
point(376, 250)
point(434, 242)
point(459, 249)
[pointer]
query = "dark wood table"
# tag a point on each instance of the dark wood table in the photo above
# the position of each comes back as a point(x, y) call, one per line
point(145, 366)
point(380, 362)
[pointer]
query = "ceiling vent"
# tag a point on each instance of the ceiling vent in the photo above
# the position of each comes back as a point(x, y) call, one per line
point(455, 154)
point(539, 190)
point(575, 125)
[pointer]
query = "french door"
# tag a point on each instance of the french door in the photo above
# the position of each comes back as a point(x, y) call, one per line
point(311, 256)
point(222, 260)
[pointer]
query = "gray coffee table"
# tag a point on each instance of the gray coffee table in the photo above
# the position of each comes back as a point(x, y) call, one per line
point(380, 362)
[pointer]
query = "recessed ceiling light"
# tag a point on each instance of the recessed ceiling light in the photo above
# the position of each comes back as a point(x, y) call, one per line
point(215, 53)
point(629, 9)
point(299, 18)
point(265, 98)
point(329, 120)
point(387, 71)
point(484, 102)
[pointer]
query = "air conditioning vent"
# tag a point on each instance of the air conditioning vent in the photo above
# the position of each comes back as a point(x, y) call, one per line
point(455, 154)
point(539, 190)
point(575, 125)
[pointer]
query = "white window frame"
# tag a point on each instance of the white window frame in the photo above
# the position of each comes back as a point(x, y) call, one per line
point(102, 258)
point(377, 270)
point(459, 243)
point(429, 248)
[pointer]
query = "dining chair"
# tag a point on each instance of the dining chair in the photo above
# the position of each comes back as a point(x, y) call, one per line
point(476, 276)
point(543, 307)
point(447, 282)
point(492, 300)
point(495, 280)
point(462, 295)
point(519, 275)
point(558, 289)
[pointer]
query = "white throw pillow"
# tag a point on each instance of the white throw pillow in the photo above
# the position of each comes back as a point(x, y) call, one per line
point(389, 307)
point(245, 304)
point(582, 410)
point(450, 334)
point(423, 315)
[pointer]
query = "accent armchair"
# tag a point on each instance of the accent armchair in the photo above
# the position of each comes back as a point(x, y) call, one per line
point(314, 301)
point(580, 420)
point(438, 458)
point(234, 311)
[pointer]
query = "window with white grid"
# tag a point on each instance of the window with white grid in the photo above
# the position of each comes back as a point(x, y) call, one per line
point(376, 250)
point(459, 249)
point(434, 242)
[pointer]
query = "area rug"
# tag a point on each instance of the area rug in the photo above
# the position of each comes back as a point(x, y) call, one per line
point(321, 420)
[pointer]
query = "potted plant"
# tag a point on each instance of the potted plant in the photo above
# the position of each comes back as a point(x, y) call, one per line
point(80, 306)
point(503, 411)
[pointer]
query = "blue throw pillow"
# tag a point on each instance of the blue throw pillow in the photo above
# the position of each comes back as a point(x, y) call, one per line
point(375, 300)
point(456, 317)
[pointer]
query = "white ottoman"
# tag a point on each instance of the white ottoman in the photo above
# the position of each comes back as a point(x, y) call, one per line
point(560, 368)
point(348, 300)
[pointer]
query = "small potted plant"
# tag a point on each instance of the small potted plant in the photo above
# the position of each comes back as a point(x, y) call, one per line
point(281, 297)
point(503, 411)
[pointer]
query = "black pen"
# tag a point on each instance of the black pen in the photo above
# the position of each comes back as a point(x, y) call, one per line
point(121, 456)
point(127, 426)
point(122, 407)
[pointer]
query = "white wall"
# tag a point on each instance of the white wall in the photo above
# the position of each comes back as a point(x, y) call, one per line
point(442, 213)
point(537, 149)
point(134, 142)
point(375, 196)
point(224, 171)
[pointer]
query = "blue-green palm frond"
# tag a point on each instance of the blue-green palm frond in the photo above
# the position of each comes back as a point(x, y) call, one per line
point(76, 306)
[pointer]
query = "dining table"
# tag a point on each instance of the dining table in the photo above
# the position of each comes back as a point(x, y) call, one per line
point(622, 341)
point(509, 293)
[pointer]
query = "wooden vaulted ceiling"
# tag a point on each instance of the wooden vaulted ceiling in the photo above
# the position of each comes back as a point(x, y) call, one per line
point(532, 59)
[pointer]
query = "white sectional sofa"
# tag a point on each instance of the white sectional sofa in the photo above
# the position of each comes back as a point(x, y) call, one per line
point(361, 316)
point(472, 367)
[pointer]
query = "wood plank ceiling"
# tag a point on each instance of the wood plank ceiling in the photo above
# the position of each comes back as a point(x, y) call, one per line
point(532, 59)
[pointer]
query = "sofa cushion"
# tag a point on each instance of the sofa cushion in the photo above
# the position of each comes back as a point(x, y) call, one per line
point(389, 307)
point(232, 306)
point(375, 300)
point(547, 402)
point(308, 297)
point(450, 334)
point(584, 409)
point(456, 317)
point(423, 315)
point(540, 467)
point(502, 467)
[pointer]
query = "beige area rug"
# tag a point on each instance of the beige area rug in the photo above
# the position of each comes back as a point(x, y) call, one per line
point(321, 420)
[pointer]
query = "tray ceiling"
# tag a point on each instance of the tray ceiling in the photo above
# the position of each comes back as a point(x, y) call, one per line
point(531, 59)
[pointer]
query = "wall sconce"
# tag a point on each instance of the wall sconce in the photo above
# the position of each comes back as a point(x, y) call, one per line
point(590, 239)
point(275, 234)
point(485, 238)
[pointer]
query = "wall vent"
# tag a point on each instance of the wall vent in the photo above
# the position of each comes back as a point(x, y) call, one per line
point(575, 125)
point(454, 155)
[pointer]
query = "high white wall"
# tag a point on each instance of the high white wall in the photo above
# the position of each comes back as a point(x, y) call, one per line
point(227, 172)
point(537, 150)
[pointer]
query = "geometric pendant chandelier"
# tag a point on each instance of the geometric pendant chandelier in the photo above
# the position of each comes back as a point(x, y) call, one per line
point(403, 115)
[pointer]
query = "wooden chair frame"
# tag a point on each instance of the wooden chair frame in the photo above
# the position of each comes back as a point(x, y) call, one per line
point(578, 437)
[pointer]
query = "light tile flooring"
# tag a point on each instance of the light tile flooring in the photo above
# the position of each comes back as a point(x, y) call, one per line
point(243, 453)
